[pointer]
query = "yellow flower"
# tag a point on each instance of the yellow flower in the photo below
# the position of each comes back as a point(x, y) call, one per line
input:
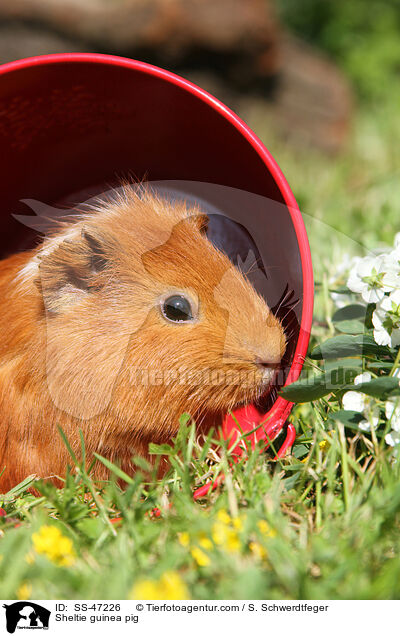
point(258, 550)
point(146, 590)
point(205, 542)
point(24, 591)
point(232, 542)
point(218, 534)
point(54, 545)
point(200, 557)
point(265, 528)
point(170, 587)
point(184, 539)
point(226, 519)
point(225, 537)
point(223, 516)
point(237, 523)
point(323, 445)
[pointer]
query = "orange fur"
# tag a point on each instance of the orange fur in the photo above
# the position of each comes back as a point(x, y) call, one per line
point(84, 344)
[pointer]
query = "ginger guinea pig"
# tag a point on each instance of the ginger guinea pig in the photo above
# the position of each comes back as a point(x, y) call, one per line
point(124, 319)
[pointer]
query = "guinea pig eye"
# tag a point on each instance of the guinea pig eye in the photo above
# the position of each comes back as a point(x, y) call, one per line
point(177, 308)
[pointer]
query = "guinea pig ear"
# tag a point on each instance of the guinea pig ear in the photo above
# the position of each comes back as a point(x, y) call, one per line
point(69, 270)
point(200, 220)
point(98, 258)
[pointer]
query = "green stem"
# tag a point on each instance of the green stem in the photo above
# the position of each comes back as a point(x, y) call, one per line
point(318, 510)
point(305, 493)
point(318, 490)
point(345, 467)
point(374, 438)
point(396, 364)
point(327, 303)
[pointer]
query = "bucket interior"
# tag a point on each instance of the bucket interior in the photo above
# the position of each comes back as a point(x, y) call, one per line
point(72, 129)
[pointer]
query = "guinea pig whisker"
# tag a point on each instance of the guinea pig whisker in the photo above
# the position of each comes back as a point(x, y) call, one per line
point(286, 297)
point(254, 267)
point(289, 310)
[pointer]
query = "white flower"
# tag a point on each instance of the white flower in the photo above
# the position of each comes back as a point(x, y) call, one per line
point(397, 240)
point(341, 274)
point(392, 438)
point(355, 401)
point(365, 425)
point(386, 320)
point(362, 377)
point(391, 276)
point(366, 279)
point(392, 412)
point(371, 411)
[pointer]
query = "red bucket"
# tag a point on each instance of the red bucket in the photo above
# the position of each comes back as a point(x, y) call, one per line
point(75, 122)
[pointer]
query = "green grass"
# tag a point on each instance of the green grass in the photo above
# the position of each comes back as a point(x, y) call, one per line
point(333, 527)
point(332, 507)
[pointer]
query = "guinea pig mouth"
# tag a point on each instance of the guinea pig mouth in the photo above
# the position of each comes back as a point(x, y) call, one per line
point(267, 374)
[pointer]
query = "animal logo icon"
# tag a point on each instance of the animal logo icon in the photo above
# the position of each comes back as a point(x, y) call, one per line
point(26, 615)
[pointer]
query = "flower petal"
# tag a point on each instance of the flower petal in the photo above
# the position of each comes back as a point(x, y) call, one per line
point(353, 401)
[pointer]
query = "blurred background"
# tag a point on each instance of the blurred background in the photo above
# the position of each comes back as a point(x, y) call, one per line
point(317, 80)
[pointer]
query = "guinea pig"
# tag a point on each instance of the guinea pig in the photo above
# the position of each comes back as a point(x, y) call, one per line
point(124, 318)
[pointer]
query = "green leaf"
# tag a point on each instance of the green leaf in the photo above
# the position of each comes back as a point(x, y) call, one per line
point(142, 463)
point(160, 449)
point(118, 472)
point(350, 312)
point(344, 363)
point(92, 528)
point(347, 346)
point(381, 364)
point(20, 488)
point(350, 326)
point(305, 390)
point(380, 388)
point(317, 386)
point(68, 445)
point(351, 419)
point(348, 418)
point(340, 290)
point(300, 451)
